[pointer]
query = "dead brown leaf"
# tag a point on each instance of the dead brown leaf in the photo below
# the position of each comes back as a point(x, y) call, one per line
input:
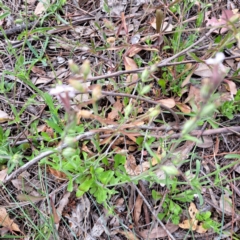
point(25, 197)
point(206, 142)
point(41, 7)
point(130, 64)
point(38, 71)
point(133, 50)
point(201, 229)
point(169, 102)
point(231, 87)
point(159, 232)
point(183, 107)
point(63, 202)
point(203, 70)
point(194, 97)
point(58, 174)
point(3, 174)
point(130, 165)
point(4, 117)
point(117, 107)
point(5, 221)
point(192, 210)
point(189, 224)
point(56, 218)
point(137, 209)
point(167, 27)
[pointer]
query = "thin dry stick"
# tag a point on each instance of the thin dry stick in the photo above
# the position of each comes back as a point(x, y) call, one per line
point(149, 207)
point(48, 153)
point(229, 130)
point(232, 130)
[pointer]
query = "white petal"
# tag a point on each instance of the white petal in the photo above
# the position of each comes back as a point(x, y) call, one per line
point(217, 60)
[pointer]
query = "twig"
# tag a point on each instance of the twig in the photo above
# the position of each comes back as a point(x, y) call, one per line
point(233, 130)
point(48, 153)
point(155, 216)
point(17, 29)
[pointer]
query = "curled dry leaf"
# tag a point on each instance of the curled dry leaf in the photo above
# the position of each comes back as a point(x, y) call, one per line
point(169, 102)
point(206, 142)
point(24, 198)
point(137, 209)
point(189, 224)
point(192, 210)
point(193, 222)
point(132, 168)
point(5, 221)
point(117, 107)
point(4, 117)
point(231, 87)
point(3, 174)
point(159, 232)
point(130, 64)
point(194, 97)
point(201, 229)
point(41, 7)
point(63, 202)
point(203, 70)
point(58, 174)
point(167, 27)
point(38, 71)
point(134, 49)
point(183, 107)
point(56, 218)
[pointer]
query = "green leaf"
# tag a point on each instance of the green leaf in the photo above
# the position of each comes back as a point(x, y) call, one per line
point(79, 193)
point(54, 126)
point(99, 170)
point(232, 156)
point(100, 195)
point(86, 185)
point(188, 137)
point(203, 216)
point(186, 196)
point(156, 195)
point(70, 185)
point(139, 140)
point(194, 56)
point(175, 219)
point(170, 170)
point(161, 215)
point(145, 90)
point(118, 160)
point(106, 176)
point(105, 161)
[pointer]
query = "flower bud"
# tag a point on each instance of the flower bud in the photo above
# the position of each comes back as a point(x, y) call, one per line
point(73, 67)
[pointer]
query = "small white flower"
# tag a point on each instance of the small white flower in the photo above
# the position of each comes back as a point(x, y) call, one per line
point(62, 90)
point(219, 58)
